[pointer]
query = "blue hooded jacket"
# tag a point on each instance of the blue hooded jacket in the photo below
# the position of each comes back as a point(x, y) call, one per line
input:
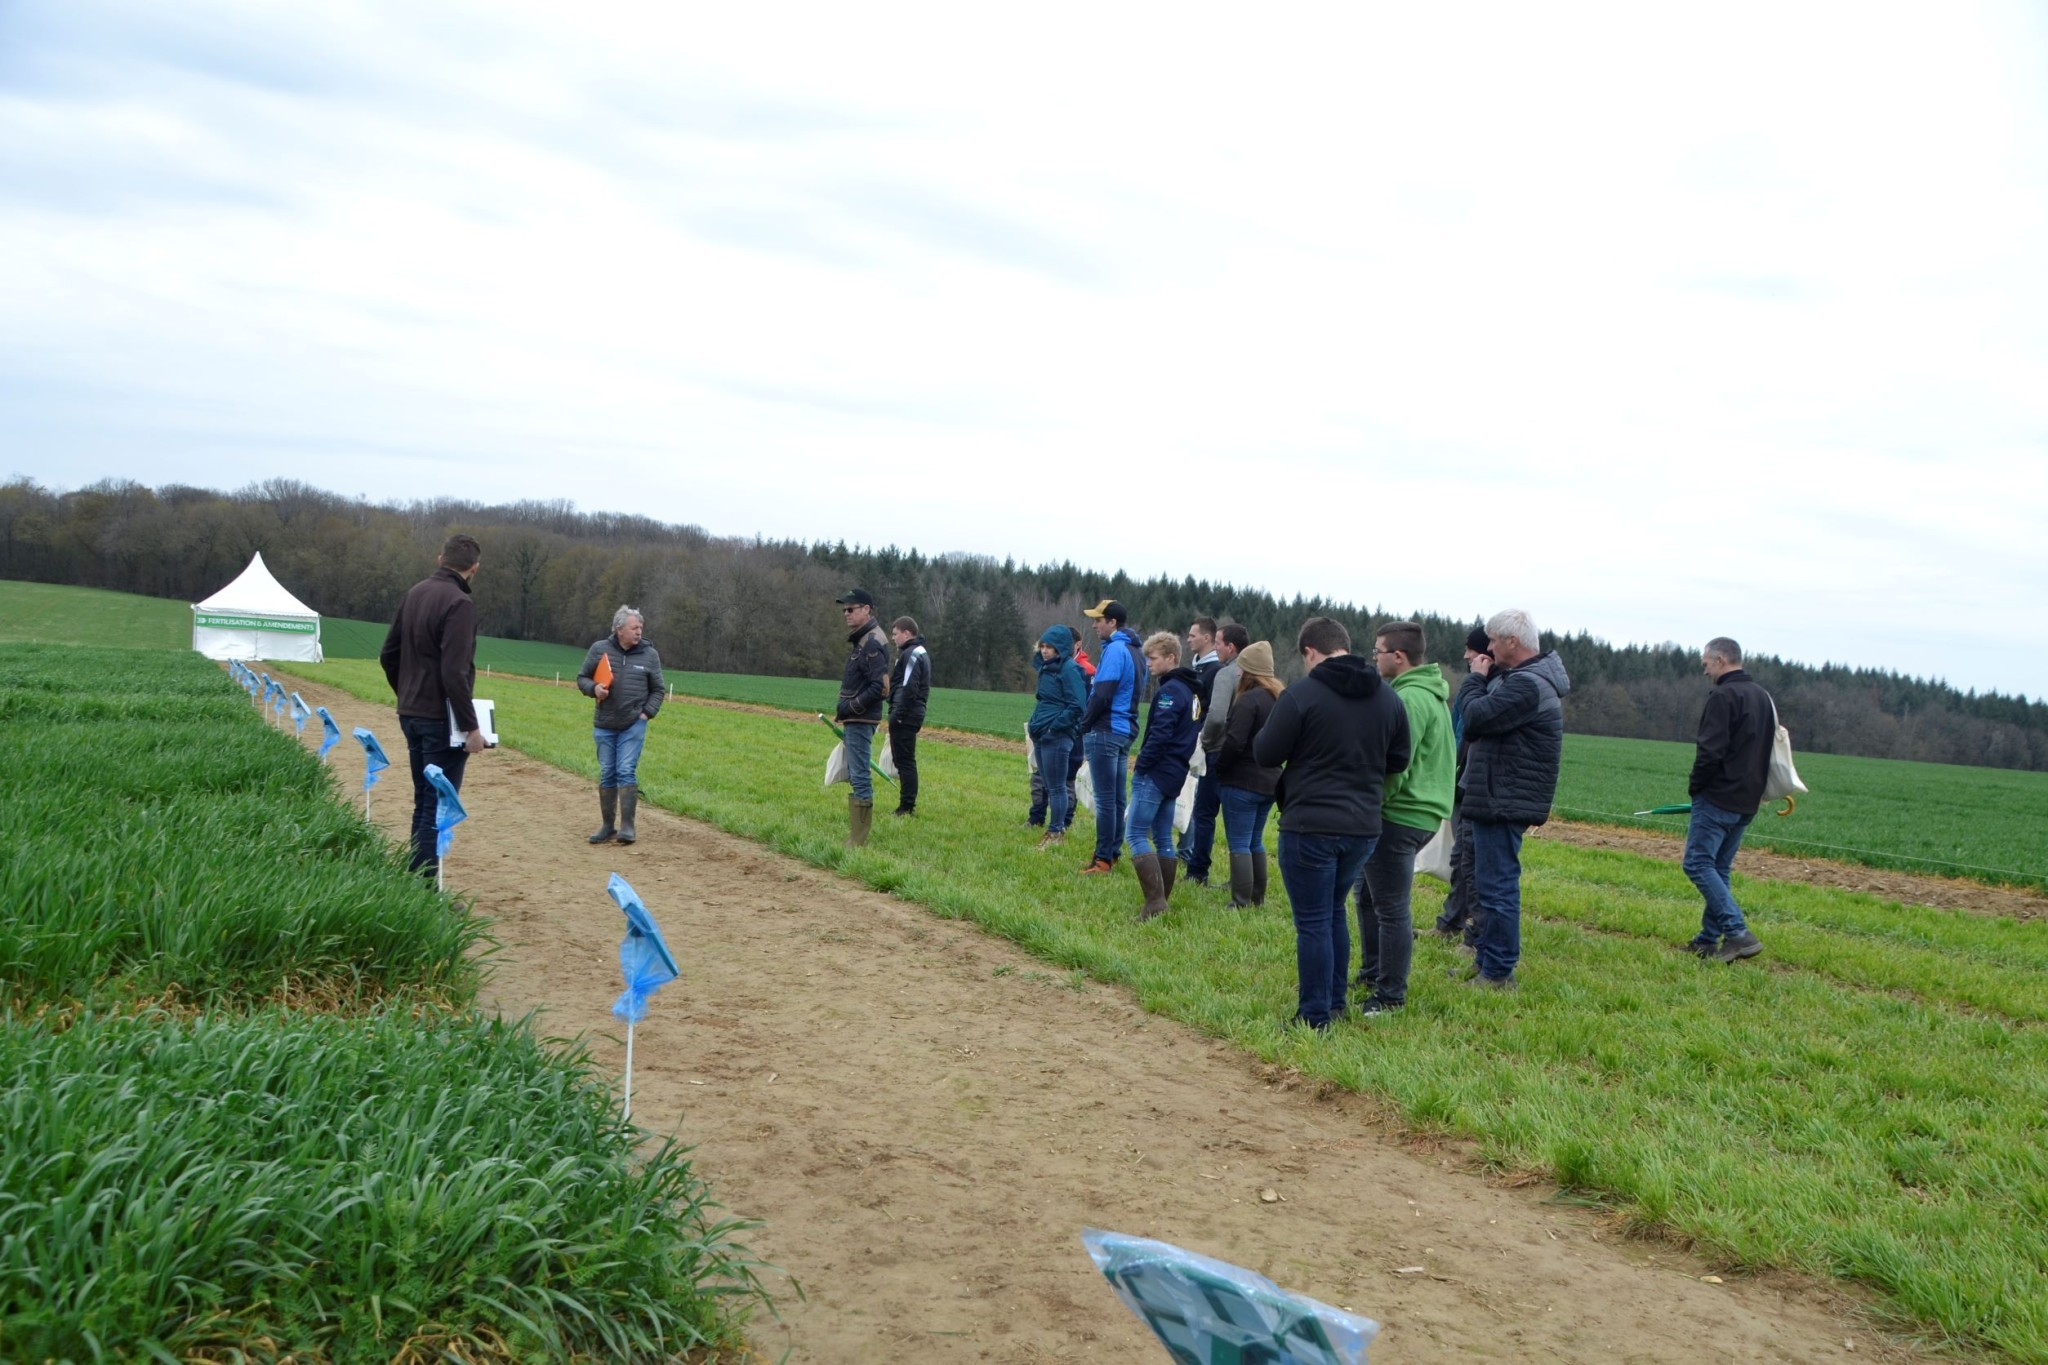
point(1171, 731)
point(1119, 686)
point(1062, 691)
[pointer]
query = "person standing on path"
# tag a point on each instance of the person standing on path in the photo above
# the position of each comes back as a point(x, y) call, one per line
point(909, 690)
point(862, 688)
point(1161, 771)
point(1335, 735)
point(1731, 763)
point(429, 658)
point(1514, 727)
point(1205, 654)
point(623, 672)
point(1054, 727)
point(1109, 724)
point(1417, 802)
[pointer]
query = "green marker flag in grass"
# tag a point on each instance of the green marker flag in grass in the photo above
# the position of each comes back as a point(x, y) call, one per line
point(332, 735)
point(448, 811)
point(646, 963)
point(374, 762)
point(1685, 809)
point(1205, 1311)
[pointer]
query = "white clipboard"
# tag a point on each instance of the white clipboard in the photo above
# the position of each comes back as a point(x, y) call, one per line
point(484, 714)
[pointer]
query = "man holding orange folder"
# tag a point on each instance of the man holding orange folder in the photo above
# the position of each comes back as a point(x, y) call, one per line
point(623, 672)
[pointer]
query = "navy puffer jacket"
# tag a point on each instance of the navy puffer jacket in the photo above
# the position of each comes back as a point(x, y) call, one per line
point(1514, 732)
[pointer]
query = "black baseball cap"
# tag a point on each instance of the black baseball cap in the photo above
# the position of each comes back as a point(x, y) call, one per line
point(855, 597)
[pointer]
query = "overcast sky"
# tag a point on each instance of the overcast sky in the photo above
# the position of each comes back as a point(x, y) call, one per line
point(1662, 322)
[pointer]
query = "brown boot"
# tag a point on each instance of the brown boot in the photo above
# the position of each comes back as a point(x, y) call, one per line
point(629, 802)
point(1258, 876)
point(1152, 881)
point(1241, 881)
point(608, 804)
point(1168, 868)
point(860, 818)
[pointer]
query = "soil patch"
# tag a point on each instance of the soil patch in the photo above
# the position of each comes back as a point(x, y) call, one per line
point(925, 1117)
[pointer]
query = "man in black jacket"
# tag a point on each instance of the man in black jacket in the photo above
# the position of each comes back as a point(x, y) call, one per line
point(862, 689)
point(429, 658)
point(1731, 762)
point(1336, 734)
point(1514, 733)
point(909, 689)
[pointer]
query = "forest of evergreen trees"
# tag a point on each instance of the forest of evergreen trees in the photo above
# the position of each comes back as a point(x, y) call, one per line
point(726, 604)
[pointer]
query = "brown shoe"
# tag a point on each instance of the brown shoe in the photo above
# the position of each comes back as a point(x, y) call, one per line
point(1153, 882)
point(1052, 839)
point(1096, 866)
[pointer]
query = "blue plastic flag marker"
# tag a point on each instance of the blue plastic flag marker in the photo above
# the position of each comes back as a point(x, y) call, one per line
point(1209, 1310)
point(448, 813)
point(646, 963)
point(301, 713)
point(331, 733)
point(374, 763)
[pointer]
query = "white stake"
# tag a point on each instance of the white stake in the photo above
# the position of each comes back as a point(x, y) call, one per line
point(629, 1072)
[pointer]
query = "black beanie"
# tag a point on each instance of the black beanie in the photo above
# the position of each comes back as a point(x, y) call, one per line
point(1479, 642)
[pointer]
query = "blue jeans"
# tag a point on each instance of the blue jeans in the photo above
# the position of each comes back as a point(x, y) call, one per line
point(1039, 800)
point(1386, 922)
point(1108, 765)
point(860, 746)
point(1055, 755)
point(1201, 840)
point(1244, 818)
point(1711, 840)
point(1319, 870)
point(618, 754)
point(1497, 887)
point(426, 742)
point(1150, 824)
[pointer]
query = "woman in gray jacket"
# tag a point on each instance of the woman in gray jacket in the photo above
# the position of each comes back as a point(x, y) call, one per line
point(624, 673)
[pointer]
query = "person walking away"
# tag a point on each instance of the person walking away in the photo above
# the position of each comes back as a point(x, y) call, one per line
point(910, 688)
point(1205, 651)
point(1460, 918)
point(1336, 735)
point(1514, 723)
point(1109, 724)
point(623, 672)
point(1731, 763)
point(1416, 803)
point(1243, 788)
point(429, 658)
point(1055, 725)
point(862, 689)
point(1171, 733)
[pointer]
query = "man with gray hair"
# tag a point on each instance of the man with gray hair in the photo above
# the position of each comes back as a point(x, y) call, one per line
point(1514, 723)
point(1731, 763)
point(623, 673)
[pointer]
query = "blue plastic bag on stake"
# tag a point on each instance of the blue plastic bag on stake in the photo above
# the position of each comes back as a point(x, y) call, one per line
point(374, 762)
point(644, 959)
point(301, 713)
point(1205, 1310)
point(448, 811)
point(332, 735)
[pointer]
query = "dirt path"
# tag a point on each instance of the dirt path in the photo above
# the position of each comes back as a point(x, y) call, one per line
point(925, 1118)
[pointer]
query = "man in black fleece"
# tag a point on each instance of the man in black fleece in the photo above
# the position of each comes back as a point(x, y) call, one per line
point(1731, 763)
point(1337, 734)
point(429, 658)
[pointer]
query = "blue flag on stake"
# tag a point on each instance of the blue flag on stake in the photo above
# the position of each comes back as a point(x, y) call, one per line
point(301, 713)
point(374, 761)
point(332, 736)
point(448, 811)
point(643, 958)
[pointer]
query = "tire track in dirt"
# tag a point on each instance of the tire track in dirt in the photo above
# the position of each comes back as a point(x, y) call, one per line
point(925, 1117)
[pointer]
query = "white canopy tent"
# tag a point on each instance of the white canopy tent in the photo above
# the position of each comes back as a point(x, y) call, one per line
point(255, 618)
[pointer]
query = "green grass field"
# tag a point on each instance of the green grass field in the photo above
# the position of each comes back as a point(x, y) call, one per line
point(1982, 823)
point(1863, 1103)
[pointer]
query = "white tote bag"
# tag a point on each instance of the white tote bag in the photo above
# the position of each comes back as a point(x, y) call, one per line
point(1434, 859)
point(1784, 778)
point(835, 766)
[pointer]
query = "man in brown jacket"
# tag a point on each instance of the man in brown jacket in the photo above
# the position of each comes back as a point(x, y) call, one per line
point(429, 657)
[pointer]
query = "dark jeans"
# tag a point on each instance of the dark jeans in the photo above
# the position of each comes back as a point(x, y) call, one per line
point(1039, 800)
point(1712, 838)
point(426, 742)
point(903, 748)
point(1497, 878)
point(1244, 818)
point(1201, 835)
point(1149, 822)
point(1386, 928)
point(1055, 756)
point(1108, 768)
point(1319, 870)
point(1461, 907)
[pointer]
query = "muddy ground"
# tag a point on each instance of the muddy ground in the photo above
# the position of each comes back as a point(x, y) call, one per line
point(923, 1118)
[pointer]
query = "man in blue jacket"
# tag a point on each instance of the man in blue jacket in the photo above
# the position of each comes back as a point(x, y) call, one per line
point(1109, 724)
point(1055, 724)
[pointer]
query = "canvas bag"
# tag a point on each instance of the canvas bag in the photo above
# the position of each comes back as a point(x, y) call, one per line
point(1434, 859)
point(1783, 780)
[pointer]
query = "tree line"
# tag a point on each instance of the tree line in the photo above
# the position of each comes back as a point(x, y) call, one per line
point(727, 604)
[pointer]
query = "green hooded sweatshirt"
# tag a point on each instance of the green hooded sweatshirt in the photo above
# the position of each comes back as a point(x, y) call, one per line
point(1420, 796)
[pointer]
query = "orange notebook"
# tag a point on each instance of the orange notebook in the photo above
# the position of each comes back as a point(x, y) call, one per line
point(603, 676)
